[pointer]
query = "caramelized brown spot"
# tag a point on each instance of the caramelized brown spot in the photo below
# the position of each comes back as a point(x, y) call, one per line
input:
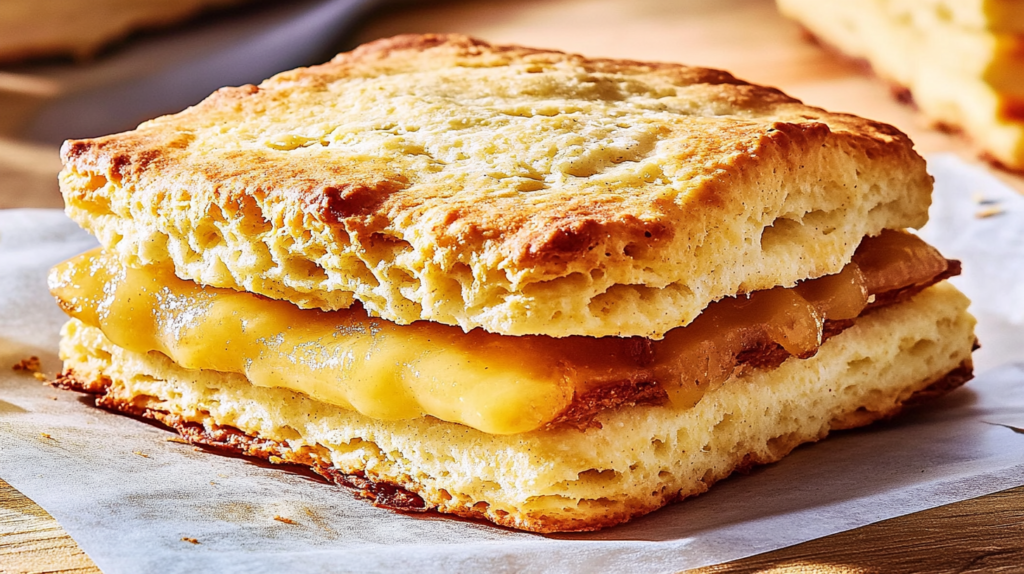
point(580, 414)
point(339, 202)
point(1011, 108)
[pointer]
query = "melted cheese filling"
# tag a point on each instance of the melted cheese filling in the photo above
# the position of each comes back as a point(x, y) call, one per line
point(496, 383)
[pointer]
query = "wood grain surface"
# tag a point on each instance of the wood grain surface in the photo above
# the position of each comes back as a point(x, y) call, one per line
point(32, 541)
point(981, 535)
point(746, 37)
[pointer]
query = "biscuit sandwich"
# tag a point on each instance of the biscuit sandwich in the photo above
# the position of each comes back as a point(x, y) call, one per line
point(520, 285)
point(961, 63)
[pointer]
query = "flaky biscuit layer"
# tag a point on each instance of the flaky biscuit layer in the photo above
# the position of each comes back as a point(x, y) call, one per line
point(522, 191)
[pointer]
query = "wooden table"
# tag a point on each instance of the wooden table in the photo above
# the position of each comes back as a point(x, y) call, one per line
point(751, 40)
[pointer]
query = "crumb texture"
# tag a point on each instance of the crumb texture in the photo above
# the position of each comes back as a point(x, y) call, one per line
point(522, 191)
point(560, 479)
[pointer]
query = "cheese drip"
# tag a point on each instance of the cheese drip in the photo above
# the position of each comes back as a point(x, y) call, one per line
point(498, 384)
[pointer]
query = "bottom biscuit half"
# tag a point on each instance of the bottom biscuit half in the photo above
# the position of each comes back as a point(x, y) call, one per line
point(560, 479)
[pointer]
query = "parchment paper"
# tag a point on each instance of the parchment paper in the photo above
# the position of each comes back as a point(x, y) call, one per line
point(128, 496)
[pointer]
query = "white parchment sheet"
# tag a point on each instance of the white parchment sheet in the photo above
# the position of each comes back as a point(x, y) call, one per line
point(128, 496)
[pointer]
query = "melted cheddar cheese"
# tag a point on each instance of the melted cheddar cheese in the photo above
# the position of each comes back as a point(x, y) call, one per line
point(498, 384)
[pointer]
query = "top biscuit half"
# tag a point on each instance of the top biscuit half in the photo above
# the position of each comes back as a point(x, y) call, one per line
point(517, 190)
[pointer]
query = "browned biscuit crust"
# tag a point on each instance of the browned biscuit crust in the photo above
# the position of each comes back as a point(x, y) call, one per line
point(395, 497)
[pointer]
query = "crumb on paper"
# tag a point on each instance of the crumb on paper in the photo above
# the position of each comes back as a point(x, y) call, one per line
point(980, 199)
point(46, 435)
point(53, 398)
point(177, 439)
point(142, 454)
point(189, 540)
point(40, 376)
point(283, 519)
point(989, 212)
point(31, 365)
